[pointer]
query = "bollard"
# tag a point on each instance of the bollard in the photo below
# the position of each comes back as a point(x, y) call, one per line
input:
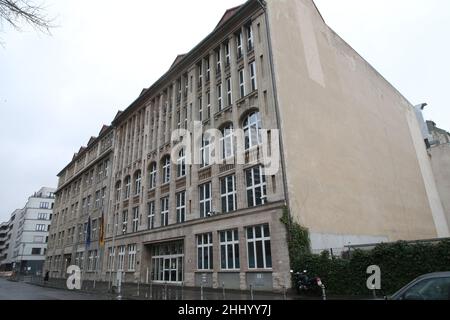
point(138, 284)
point(165, 291)
point(223, 290)
point(251, 292)
point(324, 296)
point(285, 292)
point(374, 291)
point(151, 290)
point(201, 291)
point(182, 290)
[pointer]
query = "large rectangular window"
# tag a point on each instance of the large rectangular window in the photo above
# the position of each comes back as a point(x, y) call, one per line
point(204, 251)
point(239, 45)
point(205, 199)
point(181, 207)
point(151, 215)
point(229, 250)
point(164, 211)
point(135, 219)
point(258, 247)
point(227, 53)
point(249, 30)
point(253, 76)
point(219, 97)
point(152, 176)
point(228, 193)
point(256, 186)
point(132, 257)
point(121, 258)
point(229, 93)
point(241, 83)
point(111, 255)
point(40, 227)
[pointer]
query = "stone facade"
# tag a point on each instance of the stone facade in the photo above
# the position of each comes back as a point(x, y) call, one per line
point(268, 65)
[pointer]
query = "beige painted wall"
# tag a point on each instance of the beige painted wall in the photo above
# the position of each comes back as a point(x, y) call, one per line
point(352, 166)
point(440, 162)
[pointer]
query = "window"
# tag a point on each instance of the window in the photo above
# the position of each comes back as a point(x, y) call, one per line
point(94, 230)
point(258, 247)
point(166, 169)
point(97, 199)
point(200, 109)
point(200, 74)
point(152, 176)
point(205, 151)
point(208, 69)
point(131, 257)
point(110, 262)
point(229, 250)
point(228, 193)
point(137, 182)
point(249, 37)
point(252, 127)
point(181, 207)
point(41, 227)
point(218, 61)
point(91, 260)
point(181, 164)
point(229, 93)
point(121, 258)
point(227, 53)
point(151, 215)
point(135, 219)
point(429, 289)
point(256, 186)
point(88, 203)
point(253, 75)
point(164, 211)
point(102, 202)
point(127, 187)
point(239, 44)
point(124, 221)
point(219, 97)
point(118, 190)
point(226, 141)
point(205, 199)
point(44, 205)
point(208, 107)
point(42, 216)
point(35, 251)
point(204, 251)
point(241, 83)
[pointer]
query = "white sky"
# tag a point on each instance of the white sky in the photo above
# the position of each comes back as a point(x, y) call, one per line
point(56, 92)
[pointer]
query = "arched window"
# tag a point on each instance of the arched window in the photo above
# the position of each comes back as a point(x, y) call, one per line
point(127, 187)
point(152, 176)
point(252, 125)
point(181, 164)
point(166, 169)
point(137, 182)
point(205, 151)
point(226, 141)
point(118, 190)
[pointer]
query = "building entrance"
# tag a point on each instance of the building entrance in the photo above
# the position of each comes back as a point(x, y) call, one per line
point(168, 262)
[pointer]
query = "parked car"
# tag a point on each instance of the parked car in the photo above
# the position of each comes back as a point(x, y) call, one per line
point(433, 286)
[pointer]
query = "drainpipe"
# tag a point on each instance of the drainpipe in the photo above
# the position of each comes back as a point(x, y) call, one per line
point(263, 4)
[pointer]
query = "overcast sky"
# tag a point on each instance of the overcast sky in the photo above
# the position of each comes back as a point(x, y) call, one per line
point(57, 91)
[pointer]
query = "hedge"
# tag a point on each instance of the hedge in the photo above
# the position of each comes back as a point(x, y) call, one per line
point(400, 262)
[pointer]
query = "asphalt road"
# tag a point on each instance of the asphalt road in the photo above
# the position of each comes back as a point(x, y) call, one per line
point(22, 291)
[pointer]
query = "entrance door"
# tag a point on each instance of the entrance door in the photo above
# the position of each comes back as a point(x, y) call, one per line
point(167, 262)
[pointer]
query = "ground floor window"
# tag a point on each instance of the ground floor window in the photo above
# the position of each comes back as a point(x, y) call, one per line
point(229, 250)
point(204, 251)
point(120, 262)
point(131, 257)
point(258, 247)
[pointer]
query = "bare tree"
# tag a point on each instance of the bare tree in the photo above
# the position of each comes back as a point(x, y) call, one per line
point(14, 12)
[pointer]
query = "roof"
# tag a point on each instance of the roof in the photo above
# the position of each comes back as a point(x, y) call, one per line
point(227, 15)
point(177, 59)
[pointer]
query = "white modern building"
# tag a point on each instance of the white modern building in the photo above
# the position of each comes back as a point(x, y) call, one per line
point(28, 243)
